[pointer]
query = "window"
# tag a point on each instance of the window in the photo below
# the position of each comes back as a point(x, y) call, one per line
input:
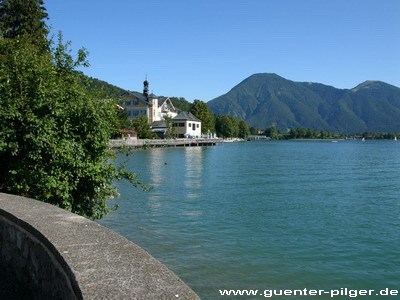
point(175, 125)
point(128, 102)
point(181, 124)
point(189, 125)
point(135, 102)
point(198, 126)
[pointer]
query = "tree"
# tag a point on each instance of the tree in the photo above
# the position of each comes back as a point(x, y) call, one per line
point(171, 130)
point(293, 134)
point(271, 132)
point(123, 121)
point(54, 136)
point(309, 133)
point(142, 127)
point(301, 132)
point(180, 103)
point(227, 126)
point(244, 130)
point(254, 130)
point(24, 18)
point(201, 110)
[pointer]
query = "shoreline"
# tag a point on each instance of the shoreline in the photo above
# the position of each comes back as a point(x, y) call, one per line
point(154, 143)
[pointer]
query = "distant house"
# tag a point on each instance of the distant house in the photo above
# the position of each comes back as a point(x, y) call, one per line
point(187, 125)
point(128, 134)
point(160, 128)
point(153, 107)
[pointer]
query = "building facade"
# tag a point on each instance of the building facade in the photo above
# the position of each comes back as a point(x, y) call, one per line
point(153, 107)
point(187, 125)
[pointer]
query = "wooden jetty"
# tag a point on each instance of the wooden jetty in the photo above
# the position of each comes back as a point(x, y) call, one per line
point(185, 142)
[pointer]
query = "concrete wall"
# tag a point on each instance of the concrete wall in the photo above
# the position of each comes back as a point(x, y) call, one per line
point(49, 253)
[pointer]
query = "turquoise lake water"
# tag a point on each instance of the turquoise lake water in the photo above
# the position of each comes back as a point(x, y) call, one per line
point(268, 215)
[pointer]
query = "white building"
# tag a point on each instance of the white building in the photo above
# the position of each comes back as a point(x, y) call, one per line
point(156, 109)
point(187, 125)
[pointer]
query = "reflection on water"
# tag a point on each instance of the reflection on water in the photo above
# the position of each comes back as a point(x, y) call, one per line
point(268, 214)
point(156, 160)
point(194, 171)
point(171, 169)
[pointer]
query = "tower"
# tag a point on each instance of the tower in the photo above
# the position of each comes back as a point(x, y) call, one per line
point(146, 88)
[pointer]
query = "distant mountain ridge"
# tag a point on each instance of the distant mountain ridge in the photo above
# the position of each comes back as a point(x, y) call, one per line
point(264, 99)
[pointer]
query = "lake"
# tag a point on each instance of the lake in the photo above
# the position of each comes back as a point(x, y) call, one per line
point(268, 215)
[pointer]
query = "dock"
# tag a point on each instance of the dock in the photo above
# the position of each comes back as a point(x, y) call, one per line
point(185, 142)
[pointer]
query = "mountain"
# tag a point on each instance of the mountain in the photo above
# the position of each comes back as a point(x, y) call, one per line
point(180, 103)
point(100, 87)
point(265, 99)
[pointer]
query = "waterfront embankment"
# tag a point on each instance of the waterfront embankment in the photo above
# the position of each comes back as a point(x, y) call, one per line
point(139, 143)
point(49, 253)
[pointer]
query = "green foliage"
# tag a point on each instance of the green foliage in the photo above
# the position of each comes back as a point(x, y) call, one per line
point(231, 127)
point(63, 59)
point(171, 130)
point(201, 110)
point(264, 99)
point(180, 103)
point(308, 133)
point(24, 17)
point(254, 130)
point(99, 88)
point(102, 90)
point(380, 135)
point(123, 122)
point(244, 130)
point(142, 127)
point(54, 136)
point(227, 126)
point(271, 132)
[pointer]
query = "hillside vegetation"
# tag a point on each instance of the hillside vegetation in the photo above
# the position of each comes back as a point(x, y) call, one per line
point(107, 90)
point(267, 99)
point(99, 87)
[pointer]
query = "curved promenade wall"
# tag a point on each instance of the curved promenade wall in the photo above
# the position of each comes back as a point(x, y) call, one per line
point(49, 253)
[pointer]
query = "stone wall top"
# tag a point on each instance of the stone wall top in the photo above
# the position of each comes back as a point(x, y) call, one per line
point(100, 263)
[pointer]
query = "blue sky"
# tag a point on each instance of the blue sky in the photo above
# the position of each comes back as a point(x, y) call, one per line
point(200, 49)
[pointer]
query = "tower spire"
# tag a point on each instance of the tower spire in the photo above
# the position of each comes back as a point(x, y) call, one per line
point(146, 88)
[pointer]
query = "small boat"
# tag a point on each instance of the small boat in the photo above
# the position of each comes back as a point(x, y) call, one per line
point(363, 139)
point(395, 138)
point(334, 141)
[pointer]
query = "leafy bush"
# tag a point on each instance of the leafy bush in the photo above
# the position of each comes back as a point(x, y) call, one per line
point(54, 137)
